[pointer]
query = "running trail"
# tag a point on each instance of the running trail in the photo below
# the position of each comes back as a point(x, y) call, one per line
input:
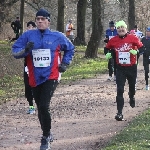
point(82, 116)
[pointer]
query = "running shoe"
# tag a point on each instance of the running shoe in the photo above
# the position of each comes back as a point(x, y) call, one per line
point(119, 117)
point(31, 110)
point(147, 87)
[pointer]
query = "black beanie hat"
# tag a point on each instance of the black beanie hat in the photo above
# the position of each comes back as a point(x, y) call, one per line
point(111, 24)
point(44, 13)
point(32, 23)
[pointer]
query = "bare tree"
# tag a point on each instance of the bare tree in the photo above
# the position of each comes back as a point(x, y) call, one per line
point(131, 14)
point(60, 17)
point(81, 13)
point(32, 4)
point(22, 16)
point(97, 29)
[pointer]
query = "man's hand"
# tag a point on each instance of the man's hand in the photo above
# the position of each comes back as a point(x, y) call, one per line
point(108, 56)
point(134, 52)
point(106, 40)
point(29, 46)
point(62, 67)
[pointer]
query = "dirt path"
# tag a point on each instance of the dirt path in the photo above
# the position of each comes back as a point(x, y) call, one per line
point(83, 116)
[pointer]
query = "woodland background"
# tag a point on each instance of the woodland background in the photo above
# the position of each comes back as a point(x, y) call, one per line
point(90, 17)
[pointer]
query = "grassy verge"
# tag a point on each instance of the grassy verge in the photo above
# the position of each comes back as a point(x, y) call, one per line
point(82, 68)
point(10, 88)
point(11, 72)
point(4, 42)
point(134, 137)
point(83, 49)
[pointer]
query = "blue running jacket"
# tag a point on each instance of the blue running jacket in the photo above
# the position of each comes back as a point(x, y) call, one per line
point(110, 34)
point(52, 43)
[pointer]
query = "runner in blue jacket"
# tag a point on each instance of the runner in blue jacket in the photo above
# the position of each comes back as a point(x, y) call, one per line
point(110, 33)
point(42, 49)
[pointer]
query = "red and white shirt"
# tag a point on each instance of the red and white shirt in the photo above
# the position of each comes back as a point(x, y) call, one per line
point(122, 46)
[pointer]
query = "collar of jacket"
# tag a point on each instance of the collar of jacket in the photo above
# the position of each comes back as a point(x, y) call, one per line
point(46, 31)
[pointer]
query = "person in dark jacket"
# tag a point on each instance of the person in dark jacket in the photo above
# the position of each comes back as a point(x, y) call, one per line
point(146, 55)
point(28, 89)
point(42, 49)
point(16, 26)
point(110, 33)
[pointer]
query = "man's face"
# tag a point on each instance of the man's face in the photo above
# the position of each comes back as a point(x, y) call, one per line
point(42, 22)
point(30, 27)
point(148, 33)
point(112, 28)
point(121, 30)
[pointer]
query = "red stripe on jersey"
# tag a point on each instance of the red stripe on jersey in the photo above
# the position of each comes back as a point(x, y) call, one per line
point(54, 70)
point(30, 66)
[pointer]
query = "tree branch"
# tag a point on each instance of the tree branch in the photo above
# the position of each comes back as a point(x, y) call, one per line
point(32, 5)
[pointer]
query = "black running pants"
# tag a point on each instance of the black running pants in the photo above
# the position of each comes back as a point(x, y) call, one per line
point(123, 73)
point(42, 95)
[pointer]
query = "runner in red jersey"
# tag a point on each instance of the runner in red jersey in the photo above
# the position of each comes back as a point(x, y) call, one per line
point(124, 45)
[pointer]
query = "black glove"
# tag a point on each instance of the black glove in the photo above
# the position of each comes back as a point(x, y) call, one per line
point(62, 67)
point(29, 46)
point(106, 40)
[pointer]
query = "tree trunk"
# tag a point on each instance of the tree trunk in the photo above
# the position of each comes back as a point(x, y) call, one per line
point(97, 29)
point(131, 14)
point(60, 18)
point(81, 13)
point(22, 16)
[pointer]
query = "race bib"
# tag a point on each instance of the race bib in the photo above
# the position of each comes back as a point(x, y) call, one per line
point(41, 57)
point(124, 57)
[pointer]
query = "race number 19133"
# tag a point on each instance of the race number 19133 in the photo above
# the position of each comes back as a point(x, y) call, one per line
point(41, 57)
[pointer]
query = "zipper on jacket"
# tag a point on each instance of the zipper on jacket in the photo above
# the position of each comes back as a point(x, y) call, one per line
point(41, 36)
